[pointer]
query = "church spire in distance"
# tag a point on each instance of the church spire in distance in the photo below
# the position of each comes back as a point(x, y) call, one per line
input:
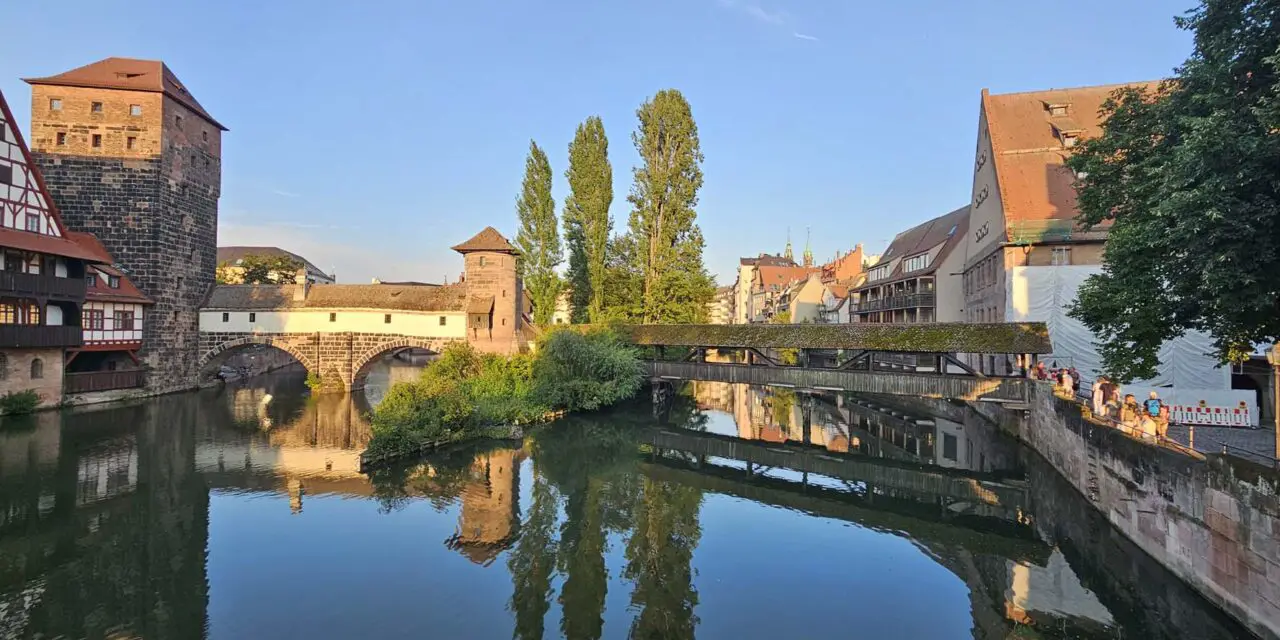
point(788, 254)
point(808, 253)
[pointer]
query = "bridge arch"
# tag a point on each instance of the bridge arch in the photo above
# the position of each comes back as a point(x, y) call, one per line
point(365, 357)
point(221, 351)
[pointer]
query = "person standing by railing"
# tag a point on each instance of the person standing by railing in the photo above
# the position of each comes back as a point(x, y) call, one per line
point(1099, 404)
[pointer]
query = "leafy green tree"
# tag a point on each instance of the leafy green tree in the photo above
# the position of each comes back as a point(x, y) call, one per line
point(1185, 173)
point(666, 243)
point(586, 218)
point(258, 269)
point(539, 236)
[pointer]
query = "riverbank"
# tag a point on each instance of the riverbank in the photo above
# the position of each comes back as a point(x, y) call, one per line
point(1213, 521)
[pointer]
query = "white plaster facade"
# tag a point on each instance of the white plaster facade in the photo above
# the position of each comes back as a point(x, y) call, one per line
point(424, 324)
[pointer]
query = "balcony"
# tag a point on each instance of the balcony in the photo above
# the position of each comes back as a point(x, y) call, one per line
point(36, 336)
point(104, 380)
point(43, 286)
point(907, 301)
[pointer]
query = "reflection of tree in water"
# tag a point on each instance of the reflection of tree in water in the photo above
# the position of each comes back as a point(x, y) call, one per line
point(659, 560)
point(533, 559)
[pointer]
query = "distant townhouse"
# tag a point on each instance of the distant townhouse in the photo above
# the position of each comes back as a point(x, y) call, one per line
point(770, 292)
point(1024, 199)
point(720, 309)
point(230, 258)
point(916, 279)
point(743, 310)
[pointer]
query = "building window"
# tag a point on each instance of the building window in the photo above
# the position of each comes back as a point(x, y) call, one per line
point(333, 317)
point(177, 120)
point(442, 321)
point(386, 319)
point(97, 140)
point(123, 321)
point(130, 142)
point(253, 317)
point(90, 280)
point(482, 261)
point(6, 174)
point(226, 317)
point(61, 139)
point(113, 282)
point(916, 263)
point(1069, 139)
point(95, 107)
point(205, 135)
point(37, 369)
point(33, 222)
point(8, 313)
point(1060, 256)
point(94, 319)
point(135, 109)
point(55, 104)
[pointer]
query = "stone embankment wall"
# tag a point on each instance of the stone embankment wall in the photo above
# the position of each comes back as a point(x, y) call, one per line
point(1214, 522)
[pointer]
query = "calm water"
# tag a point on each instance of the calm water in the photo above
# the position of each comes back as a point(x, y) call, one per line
point(242, 513)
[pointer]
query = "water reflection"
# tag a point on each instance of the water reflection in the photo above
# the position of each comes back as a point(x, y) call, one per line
point(242, 513)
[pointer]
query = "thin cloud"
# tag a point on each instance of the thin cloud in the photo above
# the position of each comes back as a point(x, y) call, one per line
point(286, 194)
point(774, 18)
point(804, 36)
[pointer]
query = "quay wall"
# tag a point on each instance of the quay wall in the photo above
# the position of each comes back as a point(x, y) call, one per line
point(1214, 522)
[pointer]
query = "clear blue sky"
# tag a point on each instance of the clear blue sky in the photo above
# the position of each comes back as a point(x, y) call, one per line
point(370, 140)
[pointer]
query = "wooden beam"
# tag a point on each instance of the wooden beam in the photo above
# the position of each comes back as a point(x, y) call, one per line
point(853, 360)
point(950, 359)
point(765, 360)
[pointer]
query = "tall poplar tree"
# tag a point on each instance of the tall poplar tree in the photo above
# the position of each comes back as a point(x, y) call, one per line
point(666, 243)
point(586, 218)
point(539, 235)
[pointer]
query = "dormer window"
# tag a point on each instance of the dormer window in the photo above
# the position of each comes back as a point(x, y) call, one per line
point(1057, 108)
point(1067, 133)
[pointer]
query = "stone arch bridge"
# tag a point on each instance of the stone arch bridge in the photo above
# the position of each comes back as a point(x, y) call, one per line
point(339, 359)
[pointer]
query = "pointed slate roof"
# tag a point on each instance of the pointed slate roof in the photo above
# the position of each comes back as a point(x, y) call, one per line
point(487, 240)
point(129, 74)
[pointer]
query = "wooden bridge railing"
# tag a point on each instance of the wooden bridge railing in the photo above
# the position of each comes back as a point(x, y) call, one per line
point(953, 387)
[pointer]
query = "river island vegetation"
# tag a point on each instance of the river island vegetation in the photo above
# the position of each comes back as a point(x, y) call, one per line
point(465, 394)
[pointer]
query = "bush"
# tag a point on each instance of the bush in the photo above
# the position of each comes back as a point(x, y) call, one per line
point(463, 392)
point(19, 402)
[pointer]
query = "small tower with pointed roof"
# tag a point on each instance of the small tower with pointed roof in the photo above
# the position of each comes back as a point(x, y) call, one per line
point(495, 293)
point(132, 157)
point(808, 252)
point(788, 253)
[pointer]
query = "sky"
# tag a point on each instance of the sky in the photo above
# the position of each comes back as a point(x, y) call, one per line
point(369, 140)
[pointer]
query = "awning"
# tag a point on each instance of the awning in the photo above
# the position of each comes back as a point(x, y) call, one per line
point(480, 304)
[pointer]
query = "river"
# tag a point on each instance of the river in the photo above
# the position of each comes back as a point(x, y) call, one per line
point(242, 513)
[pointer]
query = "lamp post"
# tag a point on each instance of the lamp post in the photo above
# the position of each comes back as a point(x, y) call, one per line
point(1273, 357)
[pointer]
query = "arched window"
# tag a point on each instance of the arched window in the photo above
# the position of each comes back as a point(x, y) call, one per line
point(37, 369)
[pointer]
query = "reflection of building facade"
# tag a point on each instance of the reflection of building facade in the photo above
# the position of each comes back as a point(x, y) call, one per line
point(490, 506)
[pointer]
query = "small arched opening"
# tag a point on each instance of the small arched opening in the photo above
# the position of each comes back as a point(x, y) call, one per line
point(243, 359)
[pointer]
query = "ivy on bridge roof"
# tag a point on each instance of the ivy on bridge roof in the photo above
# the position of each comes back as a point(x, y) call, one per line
point(950, 337)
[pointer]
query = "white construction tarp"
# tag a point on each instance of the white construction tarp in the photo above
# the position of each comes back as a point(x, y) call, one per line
point(1044, 294)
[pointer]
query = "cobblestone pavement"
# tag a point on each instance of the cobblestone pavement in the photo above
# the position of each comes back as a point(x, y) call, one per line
point(1258, 445)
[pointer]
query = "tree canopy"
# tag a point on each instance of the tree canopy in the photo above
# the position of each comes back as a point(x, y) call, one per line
point(662, 253)
point(539, 235)
point(259, 269)
point(586, 218)
point(1185, 174)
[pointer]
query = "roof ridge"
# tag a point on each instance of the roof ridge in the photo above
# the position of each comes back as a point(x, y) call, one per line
point(1115, 85)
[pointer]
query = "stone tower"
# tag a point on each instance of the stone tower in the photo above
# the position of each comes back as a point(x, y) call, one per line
point(130, 156)
point(495, 293)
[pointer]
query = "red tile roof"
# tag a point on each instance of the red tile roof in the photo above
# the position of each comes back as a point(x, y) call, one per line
point(487, 240)
point(40, 243)
point(769, 276)
point(1029, 157)
point(129, 74)
point(101, 289)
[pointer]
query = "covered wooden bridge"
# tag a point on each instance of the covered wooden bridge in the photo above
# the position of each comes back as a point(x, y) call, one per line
point(923, 360)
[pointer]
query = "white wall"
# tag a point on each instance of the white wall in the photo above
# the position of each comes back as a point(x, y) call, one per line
point(949, 288)
point(425, 324)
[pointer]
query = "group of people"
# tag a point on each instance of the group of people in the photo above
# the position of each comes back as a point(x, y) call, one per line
point(1148, 419)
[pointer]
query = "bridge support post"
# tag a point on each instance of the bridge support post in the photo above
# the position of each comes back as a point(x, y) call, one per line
point(663, 392)
point(806, 418)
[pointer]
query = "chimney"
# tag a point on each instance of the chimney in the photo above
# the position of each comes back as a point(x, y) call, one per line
point(300, 291)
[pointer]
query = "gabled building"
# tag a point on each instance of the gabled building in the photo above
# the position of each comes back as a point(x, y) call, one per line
point(743, 311)
point(113, 319)
point(769, 290)
point(916, 279)
point(42, 274)
point(230, 259)
point(1024, 199)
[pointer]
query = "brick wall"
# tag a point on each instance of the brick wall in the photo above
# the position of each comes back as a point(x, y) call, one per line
point(155, 210)
point(16, 374)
